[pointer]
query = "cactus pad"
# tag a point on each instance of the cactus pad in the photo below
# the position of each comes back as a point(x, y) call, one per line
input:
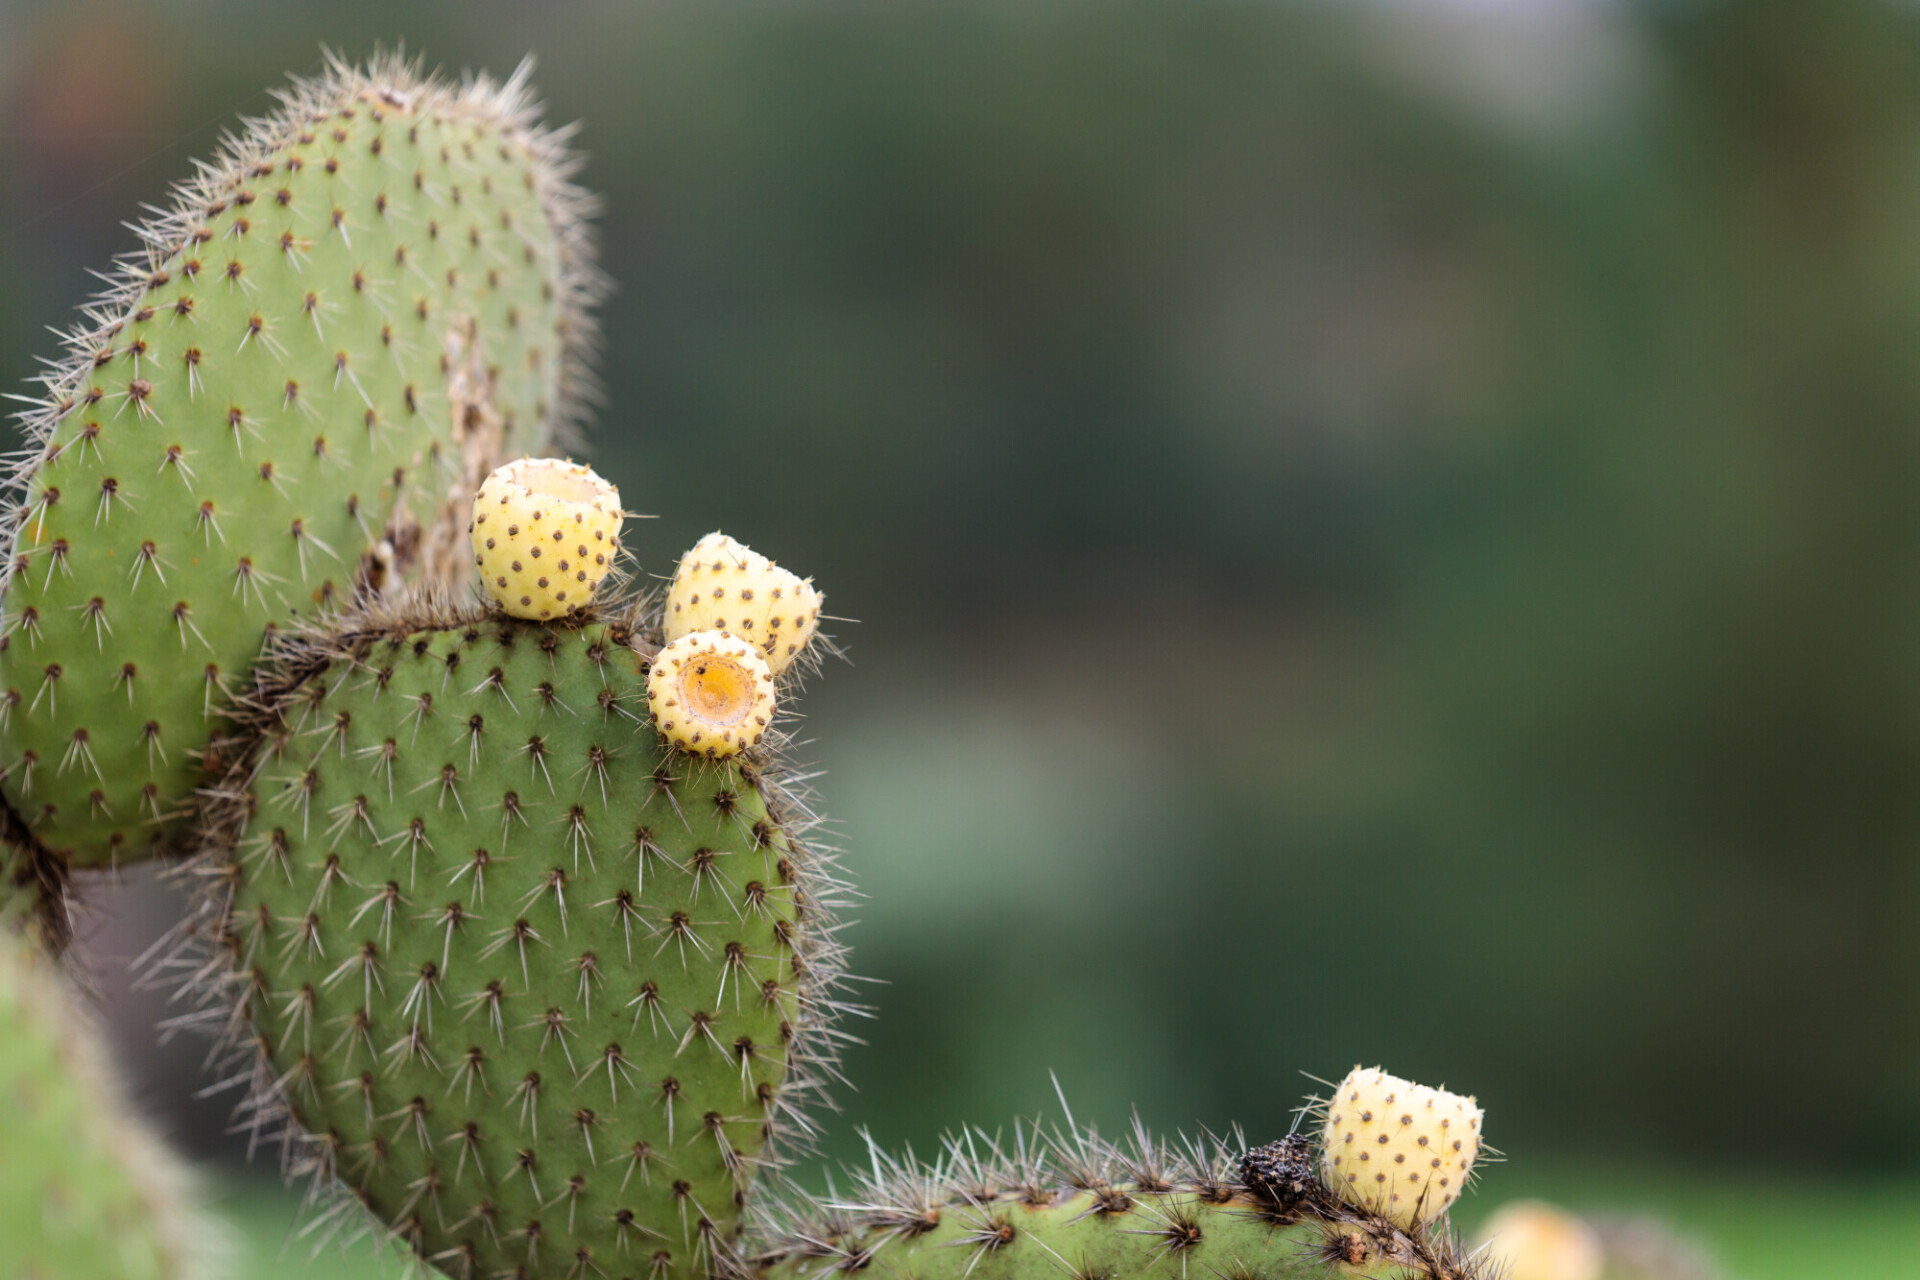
point(86, 1192)
point(369, 299)
point(1071, 1205)
point(537, 988)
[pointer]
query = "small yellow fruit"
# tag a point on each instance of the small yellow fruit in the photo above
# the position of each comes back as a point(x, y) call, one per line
point(724, 585)
point(711, 694)
point(1399, 1149)
point(545, 532)
point(1531, 1240)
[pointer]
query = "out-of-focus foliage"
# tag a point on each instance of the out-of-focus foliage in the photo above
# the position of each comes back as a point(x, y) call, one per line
point(1374, 541)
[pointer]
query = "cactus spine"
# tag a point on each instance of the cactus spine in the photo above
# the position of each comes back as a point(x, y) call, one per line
point(538, 989)
point(86, 1192)
point(366, 301)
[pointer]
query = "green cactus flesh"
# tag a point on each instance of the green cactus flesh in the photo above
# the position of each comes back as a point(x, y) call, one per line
point(86, 1193)
point(369, 300)
point(1076, 1207)
point(529, 982)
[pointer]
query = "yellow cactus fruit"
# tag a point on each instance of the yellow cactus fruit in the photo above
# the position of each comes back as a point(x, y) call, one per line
point(725, 585)
point(1397, 1148)
point(545, 532)
point(711, 694)
point(1532, 1240)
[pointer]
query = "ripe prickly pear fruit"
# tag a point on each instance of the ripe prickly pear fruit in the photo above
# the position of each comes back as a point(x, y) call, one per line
point(710, 694)
point(724, 585)
point(544, 533)
point(1070, 1204)
point(538, 989)
point(370, 298)
point(86, 1191)
point(1399, 1149)
point(1532, 1240)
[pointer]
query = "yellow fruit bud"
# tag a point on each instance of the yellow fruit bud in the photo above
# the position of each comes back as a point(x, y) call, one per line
point(545, 532)
point(711, 694)
point(1529, 1240)
point(1399, 1149)
point(724, 585)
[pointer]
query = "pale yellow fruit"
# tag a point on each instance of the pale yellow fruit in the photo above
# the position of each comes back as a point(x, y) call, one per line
point(1397, 1148)
point(725, 585)
point(711, 694)
point(545, 532)
point(1535, 1241)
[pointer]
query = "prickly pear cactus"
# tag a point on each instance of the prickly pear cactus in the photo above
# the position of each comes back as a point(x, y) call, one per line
point(537, 989)
point(86, 1193)
point(1071, 1204)
point(366, 302)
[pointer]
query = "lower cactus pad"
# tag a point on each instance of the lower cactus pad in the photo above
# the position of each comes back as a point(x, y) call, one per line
point(537, 989)
point(1077, 1208)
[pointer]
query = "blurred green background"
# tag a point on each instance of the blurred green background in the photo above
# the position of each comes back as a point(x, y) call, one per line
point(1380, 532)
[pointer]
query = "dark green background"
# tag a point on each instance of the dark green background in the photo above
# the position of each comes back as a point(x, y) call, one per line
point(1374, 539)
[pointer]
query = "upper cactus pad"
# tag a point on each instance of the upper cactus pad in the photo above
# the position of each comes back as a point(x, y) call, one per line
point(366, 302)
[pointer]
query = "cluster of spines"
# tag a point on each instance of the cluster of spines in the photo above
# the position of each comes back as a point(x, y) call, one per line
point(212, 963)
point(1168, 1196)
